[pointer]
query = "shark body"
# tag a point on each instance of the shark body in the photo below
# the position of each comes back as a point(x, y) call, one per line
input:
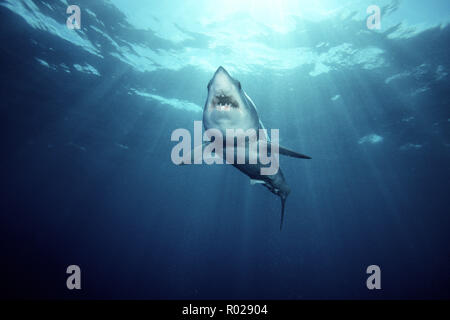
point(229, 107)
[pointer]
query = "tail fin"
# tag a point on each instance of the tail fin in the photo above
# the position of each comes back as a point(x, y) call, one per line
point(283, 201)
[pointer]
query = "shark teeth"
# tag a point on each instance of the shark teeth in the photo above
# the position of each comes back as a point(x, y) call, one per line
point(224, 107)
point(223, 103)
point(222, 100)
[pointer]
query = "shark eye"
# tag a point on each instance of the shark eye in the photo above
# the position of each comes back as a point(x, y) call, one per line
point(209, 85)
point(239, 85)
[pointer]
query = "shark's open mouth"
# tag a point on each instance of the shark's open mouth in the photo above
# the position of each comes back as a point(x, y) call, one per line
point(224, 103)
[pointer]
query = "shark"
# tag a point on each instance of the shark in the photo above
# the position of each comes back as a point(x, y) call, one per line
point(227, 107)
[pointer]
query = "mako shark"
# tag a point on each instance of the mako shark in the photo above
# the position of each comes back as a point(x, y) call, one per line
point(229, 107)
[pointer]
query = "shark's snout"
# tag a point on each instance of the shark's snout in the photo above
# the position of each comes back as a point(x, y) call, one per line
point(223, 93)
point(222, 83)
point(226, 106)
point(222, 69)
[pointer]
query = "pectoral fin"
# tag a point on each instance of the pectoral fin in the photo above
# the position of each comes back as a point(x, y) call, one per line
point(290, 153)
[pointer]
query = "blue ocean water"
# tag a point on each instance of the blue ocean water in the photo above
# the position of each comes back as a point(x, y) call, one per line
point(87, 178)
